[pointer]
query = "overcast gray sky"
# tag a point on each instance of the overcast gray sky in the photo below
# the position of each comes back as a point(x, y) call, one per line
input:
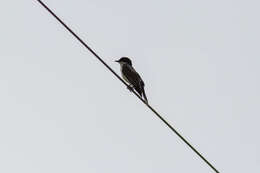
point(62, 111)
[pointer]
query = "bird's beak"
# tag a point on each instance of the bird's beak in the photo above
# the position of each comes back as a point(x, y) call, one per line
point(116, 60)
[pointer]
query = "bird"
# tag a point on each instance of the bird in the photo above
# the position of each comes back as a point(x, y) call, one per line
point(132, 77)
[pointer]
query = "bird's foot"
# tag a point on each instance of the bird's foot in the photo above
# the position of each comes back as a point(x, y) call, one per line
point(130, 87)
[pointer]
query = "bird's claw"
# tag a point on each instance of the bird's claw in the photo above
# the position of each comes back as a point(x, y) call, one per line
point(130, 88)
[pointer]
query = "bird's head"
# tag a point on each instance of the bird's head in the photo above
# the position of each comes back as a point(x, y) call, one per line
point(124, 60)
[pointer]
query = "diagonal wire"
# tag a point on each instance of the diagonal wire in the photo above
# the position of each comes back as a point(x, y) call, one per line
point(111, 70)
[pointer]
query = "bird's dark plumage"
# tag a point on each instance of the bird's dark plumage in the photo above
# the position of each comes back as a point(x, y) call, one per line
point(126, 60)
point(131, 76)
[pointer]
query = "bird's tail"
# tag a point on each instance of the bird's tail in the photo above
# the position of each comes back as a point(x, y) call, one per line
point(145, 98)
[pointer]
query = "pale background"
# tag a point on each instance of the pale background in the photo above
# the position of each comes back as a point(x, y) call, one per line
point(61, 111)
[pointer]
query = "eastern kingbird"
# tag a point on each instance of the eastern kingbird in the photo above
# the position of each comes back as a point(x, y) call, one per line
point(131, 76)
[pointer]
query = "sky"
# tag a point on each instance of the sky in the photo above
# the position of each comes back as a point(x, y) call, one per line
point(61, 110)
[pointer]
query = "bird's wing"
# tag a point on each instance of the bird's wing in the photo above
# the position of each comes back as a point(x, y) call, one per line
point(131, 75)
point(133, 78)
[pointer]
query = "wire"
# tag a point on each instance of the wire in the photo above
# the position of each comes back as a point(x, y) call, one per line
point(110, 69)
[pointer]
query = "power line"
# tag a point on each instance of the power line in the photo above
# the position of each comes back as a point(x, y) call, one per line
point(110, 69)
